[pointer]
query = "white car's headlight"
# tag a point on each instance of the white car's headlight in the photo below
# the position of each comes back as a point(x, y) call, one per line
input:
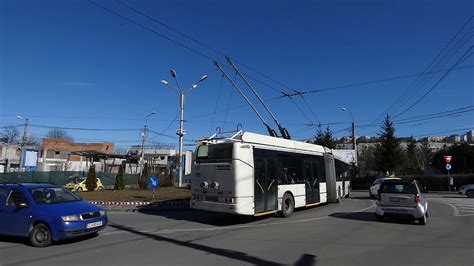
point(70, 218)
point(103, 213)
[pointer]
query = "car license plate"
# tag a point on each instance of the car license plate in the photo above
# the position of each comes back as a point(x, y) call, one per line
point(394, 199)
point(94, 225)
point(395, 210)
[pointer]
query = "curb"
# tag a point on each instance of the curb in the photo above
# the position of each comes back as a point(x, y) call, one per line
point(120, 203)
point(143, 207)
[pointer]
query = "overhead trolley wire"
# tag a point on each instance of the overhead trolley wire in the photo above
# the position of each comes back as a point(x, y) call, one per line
point(428, 71)
point(421, 81)
point(172, 40)
point(451, 53)
point(198, 42)
point(434, 86)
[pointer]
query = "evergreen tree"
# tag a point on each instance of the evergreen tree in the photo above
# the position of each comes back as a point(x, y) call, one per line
point(325, 138)
point(91, 180)
point(119, 179)
point(411, 166)
point(143, 179)
point(388, 154)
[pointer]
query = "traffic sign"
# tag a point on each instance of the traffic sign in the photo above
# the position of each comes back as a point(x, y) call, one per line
point(448, 166)
point(447, 158)
point(153, 182)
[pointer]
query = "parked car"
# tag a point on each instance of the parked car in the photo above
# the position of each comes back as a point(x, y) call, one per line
point(467, 190)
point(46, 213)
point(79, 184)
point(402, 198)
point(373, 190)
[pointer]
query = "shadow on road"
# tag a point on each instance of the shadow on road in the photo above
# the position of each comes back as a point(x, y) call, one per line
point(369, 217)
point(25, 241)
point(307, 260)
point(204, 217)
point(13, 240)
point(217, 251)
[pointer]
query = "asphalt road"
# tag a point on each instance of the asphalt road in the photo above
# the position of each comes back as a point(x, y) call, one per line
point(333, 234)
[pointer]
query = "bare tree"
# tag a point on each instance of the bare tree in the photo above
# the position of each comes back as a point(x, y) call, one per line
point(11, 134)
point(57, 133)
point(67, 165)
point(32, 141)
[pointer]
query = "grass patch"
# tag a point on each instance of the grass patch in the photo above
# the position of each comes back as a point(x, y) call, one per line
point(163, 193)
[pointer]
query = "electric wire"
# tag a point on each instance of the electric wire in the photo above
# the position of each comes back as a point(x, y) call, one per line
point(434, 86)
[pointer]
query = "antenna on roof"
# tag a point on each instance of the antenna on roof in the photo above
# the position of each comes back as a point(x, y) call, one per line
point(283, 131)
point(271, 131)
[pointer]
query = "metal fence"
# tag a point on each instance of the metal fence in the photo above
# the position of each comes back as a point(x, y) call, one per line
point(62, 178)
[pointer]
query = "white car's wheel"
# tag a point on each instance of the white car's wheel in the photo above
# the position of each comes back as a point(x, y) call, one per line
point(470, 194)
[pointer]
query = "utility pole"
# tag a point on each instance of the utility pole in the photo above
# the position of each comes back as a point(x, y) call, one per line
point(354, 143)
point(142, 155)
point(23, 142)
point(144, 135)
point(181, 132)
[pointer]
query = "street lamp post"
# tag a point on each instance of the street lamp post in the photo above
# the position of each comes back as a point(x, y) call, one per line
point(180, 132)
point(354, 144)
point(23, 140)
point(144, 135)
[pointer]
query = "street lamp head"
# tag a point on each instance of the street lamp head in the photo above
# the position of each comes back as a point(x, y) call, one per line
point(164, 82)
point(19, 117)
point(173, 73)
point(203, 78)
point(152, 113)
point(343, 109)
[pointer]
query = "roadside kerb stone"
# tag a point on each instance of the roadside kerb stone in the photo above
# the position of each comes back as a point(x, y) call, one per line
point(143, 206)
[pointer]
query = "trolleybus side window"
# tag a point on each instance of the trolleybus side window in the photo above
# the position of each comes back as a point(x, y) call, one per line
point(319, 170)
point(291, 170)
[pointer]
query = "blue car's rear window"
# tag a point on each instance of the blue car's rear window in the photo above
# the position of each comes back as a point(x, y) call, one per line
point(52, 195)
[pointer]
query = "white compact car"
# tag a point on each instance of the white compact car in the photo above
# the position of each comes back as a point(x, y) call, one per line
point(402, 199)
point(467, 190)
point(373, 190)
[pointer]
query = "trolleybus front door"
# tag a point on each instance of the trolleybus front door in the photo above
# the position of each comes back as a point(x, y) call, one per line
point(265, 185)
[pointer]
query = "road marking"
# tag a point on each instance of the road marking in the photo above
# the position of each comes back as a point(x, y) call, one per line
point(207, 229)
point(459, 206)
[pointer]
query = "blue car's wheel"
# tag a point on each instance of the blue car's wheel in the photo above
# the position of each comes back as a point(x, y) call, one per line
point(40, 236)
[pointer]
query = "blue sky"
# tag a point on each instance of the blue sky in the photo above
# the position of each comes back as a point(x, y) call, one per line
point(72, 64)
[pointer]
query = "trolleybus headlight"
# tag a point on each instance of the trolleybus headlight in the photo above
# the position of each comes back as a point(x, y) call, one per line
point(215, 185)
point(205, 184)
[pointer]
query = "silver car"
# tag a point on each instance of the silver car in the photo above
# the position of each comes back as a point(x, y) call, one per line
point(376, 185)
point(403, 199)
point(467, 190)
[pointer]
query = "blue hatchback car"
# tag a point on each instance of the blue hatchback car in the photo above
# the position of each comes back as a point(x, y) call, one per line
point(46, 213)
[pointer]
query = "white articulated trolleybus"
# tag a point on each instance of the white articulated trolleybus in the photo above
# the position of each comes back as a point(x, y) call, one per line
point(253, 174)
